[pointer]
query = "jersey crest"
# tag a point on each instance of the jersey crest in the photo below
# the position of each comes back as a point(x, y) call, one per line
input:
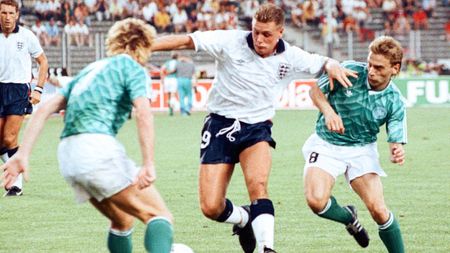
point(283, 69)
point(379, 113)
point(19, 45)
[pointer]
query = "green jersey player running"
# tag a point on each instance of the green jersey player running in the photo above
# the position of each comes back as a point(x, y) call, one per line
point(98, 102)
point(345, 142)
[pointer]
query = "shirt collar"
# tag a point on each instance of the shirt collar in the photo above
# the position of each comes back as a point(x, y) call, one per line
point(16, 29)
point(279, 49)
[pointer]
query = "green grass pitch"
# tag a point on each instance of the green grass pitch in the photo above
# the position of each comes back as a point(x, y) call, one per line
point(46, 219)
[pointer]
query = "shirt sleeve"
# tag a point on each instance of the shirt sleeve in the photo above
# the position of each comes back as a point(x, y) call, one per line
point(212, 42)
point(34, 48)
point(324, 83)
point(396, 127)
point(307, 62)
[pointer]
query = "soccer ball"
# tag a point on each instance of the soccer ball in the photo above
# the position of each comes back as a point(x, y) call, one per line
point(180, 248)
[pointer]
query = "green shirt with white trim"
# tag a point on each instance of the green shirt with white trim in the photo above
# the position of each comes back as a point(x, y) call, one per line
point(363, 111)
point(100, 98)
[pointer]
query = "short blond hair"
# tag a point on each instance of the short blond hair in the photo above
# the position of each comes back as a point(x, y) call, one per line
point(131, 36)
point(389, 48)
point(270, 13)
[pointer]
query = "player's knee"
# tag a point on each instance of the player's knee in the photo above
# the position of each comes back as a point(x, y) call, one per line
point(211, 209)
point(315, 201)
point(9, 140)
point(379, 213)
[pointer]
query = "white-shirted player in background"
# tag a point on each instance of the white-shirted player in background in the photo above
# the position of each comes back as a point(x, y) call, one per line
point(17, 46)
point(252, 69)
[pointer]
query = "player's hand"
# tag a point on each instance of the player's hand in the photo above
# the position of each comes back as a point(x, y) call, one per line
point(334, 122)
point(35, 97)
point(146, 176)
point(336, 71)
point(12, 168)
point(397, 153)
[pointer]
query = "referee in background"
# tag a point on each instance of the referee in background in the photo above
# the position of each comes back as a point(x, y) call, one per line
point(17, 46)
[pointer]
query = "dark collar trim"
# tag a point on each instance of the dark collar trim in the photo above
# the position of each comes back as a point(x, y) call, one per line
point(280, 45)
point(16, 29)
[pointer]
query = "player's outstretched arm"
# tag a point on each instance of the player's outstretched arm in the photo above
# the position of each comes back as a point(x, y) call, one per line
point(397, 153)
point(144, 123)
point(336, 71)
point(19, 162)
point(173, 42)
point(333, 121)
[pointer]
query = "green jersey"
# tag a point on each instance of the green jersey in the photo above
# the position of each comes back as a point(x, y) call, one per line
point(100, 98)
point(363, 110)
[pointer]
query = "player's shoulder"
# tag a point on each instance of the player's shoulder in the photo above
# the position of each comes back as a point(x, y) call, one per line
point(24, 31)
point(354, 65)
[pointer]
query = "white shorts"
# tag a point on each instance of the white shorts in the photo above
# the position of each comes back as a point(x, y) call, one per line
point(170, 84)
point(95, 165)
point(353, 161)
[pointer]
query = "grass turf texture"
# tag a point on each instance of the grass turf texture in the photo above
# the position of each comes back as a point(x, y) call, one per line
point(46, 218)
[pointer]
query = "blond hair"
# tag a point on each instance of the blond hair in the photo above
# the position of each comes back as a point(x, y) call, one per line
point(131, 36)
point(270, 13)
point(389, 48)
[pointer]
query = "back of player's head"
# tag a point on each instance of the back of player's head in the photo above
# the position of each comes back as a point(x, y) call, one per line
point(270, 13)
point(11, 3)
point(131, 36)
point(389, 48)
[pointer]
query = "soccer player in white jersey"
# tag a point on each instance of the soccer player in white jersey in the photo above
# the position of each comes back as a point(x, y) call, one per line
point(17, 46)
point(98, 102)
point(345, 142)
point(253, 67)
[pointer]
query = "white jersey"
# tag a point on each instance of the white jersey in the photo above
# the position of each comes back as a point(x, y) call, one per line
point(246, 85)
point(15, 52)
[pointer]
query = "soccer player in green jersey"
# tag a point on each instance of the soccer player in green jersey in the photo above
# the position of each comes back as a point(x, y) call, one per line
point(97, 103)
point(345, 142)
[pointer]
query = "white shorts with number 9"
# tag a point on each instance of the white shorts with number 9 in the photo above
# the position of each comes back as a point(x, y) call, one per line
point(353, 161)
point(95, 165)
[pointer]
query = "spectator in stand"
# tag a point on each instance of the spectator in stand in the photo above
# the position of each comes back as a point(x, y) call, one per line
point(53, 33)
point(40, 7)
point(409, 6)
point(90, 4)
point(131, 8)
point(101, 10)
point(297, 15)
point(389, 23)
point(249, 8)
point(40, 32)
point(310, 17)
point(351, 25)
point(116, 9)
point(82, 33)
point(71, 31)
point(334, 31)
point(401, 25)
point(388, 7)
point(81, 12)
point(179, 19)
point(232, 16)
point(429, 6)
point(192, 23)
point(191, 5)
point(149, 11)
point(420, 19)
point(66, 13)
point(162, 20)
point(54, 8)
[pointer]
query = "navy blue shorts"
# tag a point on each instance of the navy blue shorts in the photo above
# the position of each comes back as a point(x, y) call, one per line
point(15, 99)
point(223, 139)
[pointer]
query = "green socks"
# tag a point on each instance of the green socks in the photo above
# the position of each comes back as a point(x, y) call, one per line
point(391, 235)
point(333, 211)
point(158, 236)
point(119, 242)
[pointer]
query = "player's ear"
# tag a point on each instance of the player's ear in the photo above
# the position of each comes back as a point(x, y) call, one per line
point(396, 69)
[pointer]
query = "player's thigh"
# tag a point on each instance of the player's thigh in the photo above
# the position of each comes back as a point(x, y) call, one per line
point(256, 162)
point(11, 127)
point(2, 124)
point(143, 204)
point(213, 183)
point(120, 220)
